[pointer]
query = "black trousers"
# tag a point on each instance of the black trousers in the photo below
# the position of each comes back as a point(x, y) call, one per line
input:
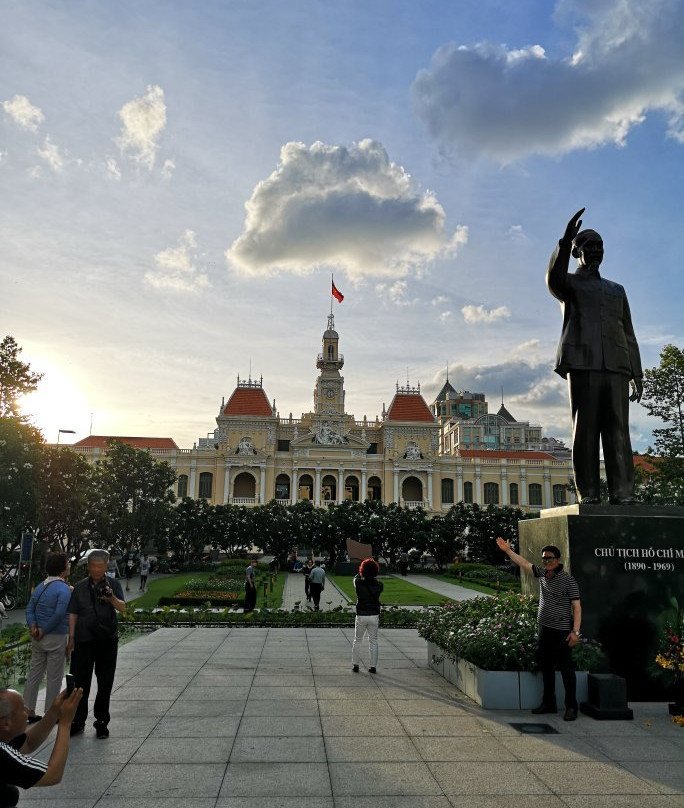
point(250, 597)
point(9, 795)
point(100, 656)
point(555, 653)
point(315, 590)
point(599, 401)
point(307, 587)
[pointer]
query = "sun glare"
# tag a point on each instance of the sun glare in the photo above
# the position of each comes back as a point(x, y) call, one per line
point(57, 404)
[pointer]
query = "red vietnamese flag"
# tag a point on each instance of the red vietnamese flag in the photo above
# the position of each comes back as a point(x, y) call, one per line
point(336, 293)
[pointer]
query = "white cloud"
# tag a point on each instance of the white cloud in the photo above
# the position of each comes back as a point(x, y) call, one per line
point(396, 293)
point(51, 154)
point(506, 104)
point(143, 121)
point(168, 168)
point(479, 314)
point(437, 301)
point(344, 207)
point(23, 113)
point(176, 270)
point(112, 169)
point(527, 348)
point(445, 316)
point(516, 233)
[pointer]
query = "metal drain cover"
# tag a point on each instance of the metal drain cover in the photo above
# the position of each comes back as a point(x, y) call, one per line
point(535, 729)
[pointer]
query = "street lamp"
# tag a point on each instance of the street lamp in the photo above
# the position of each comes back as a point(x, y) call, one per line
point(64, 432)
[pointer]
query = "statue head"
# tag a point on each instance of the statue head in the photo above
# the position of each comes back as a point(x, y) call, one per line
point(587, 246)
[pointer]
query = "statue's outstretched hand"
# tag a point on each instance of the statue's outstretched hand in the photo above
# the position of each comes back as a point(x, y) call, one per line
point(573, 226)
point(637, 390)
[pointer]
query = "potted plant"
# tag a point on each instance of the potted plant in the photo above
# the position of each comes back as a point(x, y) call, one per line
point(670, 660)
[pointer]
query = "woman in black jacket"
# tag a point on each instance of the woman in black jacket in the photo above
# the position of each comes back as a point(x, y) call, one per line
point(368, 590)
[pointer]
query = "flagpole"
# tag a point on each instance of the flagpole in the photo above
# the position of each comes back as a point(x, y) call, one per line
point(332, 283)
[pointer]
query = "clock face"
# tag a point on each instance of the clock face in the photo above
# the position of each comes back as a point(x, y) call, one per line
point(329, 392)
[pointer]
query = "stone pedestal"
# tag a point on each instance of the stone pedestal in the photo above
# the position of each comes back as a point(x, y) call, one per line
point(629, 563)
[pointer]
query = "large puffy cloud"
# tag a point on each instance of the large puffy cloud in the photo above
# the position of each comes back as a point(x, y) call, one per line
point(506, 104)
point(24, 113)
point(347, 207)
point(143, 122)
point(176, 269)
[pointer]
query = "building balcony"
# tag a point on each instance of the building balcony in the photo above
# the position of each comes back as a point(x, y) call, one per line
point(413, 504)
point(244, 501)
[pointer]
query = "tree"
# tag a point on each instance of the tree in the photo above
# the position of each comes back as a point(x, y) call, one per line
point(132, 499)
point(664, 398)
point(16, 377)
point(65, 493)
point(20, 450)
point(188, 528)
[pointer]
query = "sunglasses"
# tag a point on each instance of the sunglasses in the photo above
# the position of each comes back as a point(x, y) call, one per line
point(549, 558)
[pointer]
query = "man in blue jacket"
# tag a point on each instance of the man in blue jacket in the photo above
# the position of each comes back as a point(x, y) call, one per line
point(47, 619)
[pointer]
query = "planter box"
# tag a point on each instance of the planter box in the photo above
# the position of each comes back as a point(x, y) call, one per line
point(498, 690)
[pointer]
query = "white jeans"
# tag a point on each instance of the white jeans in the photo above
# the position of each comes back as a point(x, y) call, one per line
point(48, 655)
point(366, 624)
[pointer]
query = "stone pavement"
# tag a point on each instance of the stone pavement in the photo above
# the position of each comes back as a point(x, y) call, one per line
point(250, 717)
point(453, 591)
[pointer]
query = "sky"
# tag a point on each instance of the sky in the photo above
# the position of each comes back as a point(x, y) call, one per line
point(178, 183)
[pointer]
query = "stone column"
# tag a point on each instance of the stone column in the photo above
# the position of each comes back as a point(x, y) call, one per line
point(294, 484)
point(317, 488)
point(478, 485)
point(523, 487)
point(340, 485)
point(226, 485)
point(193, 474)
point(459, 484)
point(262, 486)
point(363, 493)
point(504, 487)
point(396, 486)
point(429, 491)
point(548, 499)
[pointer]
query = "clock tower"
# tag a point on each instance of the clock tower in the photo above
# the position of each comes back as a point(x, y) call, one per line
point(329, 390)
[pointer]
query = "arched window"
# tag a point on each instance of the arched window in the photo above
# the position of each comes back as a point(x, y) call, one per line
point(513, 494)
point(468, 492)
point(374, 488)
point(491, 494)
point(182, 486)
point(282, 487)
point(447, 492)
point(206, 483)
point(535, 495)
point(560, 495)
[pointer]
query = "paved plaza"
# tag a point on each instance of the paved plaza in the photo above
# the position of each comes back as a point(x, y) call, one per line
point(249, 717)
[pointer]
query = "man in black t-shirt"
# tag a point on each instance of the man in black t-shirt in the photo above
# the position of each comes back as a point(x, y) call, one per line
point(16, 742)
point(93, 639)
point(560, 617)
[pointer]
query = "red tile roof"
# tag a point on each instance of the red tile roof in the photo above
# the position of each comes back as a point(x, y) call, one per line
point(248, 401)
point(409, 408)
point(510, 455)
point(646, 464)
point(100, 442)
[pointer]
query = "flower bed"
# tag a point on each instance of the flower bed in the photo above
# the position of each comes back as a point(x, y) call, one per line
point(495, 633)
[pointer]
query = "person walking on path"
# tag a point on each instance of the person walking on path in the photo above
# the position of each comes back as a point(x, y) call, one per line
point(368, 591)
point(93, 639)
point(316, 584)
point(129, 573)
point(560, 617)
point(144, 571)
point(48, 622)
point(250, 586)
point(307, 584)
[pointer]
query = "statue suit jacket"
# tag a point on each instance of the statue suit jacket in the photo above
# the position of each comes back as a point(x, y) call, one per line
point(597, 325)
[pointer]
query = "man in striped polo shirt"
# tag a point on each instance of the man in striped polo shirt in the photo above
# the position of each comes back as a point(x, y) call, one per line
point(560, 617)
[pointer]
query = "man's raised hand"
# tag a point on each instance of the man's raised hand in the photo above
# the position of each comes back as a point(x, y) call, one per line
point(573, 226)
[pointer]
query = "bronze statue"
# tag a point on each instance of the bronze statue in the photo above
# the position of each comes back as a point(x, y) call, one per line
point(599, 355)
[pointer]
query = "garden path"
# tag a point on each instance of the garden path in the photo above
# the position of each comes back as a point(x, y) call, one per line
point(331, 598)
point(453, 591)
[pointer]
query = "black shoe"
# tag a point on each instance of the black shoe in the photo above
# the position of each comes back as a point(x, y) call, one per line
point(372, 670)
point(101, 730)
point(76, 729)
point(545, 708)
point(570, 714)
point(34, 719)
point(355, 668)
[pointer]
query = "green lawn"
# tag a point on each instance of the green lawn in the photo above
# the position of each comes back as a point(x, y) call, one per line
point(448, 579)
point(167, 585)
point(395, 593)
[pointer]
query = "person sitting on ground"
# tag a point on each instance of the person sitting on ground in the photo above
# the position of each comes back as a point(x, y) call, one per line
point(368, 591)
point(17, 742)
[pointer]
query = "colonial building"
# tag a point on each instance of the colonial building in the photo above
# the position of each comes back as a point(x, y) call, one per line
point(415, 455)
